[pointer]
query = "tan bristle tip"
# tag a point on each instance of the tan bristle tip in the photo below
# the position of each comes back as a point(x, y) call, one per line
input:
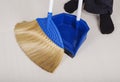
point(37, 46)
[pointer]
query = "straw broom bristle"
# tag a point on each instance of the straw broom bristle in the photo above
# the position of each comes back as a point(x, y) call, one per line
point(37, 46)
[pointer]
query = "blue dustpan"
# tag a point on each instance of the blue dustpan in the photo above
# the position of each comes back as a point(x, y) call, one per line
point(73, 31)
point(72, 37)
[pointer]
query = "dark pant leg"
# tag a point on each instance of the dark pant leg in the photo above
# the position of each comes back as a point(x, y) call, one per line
point(99, 6)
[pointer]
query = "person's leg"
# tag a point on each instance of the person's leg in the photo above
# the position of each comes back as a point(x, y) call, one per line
point(106, 24)
point(99, 6)
point(104, 8)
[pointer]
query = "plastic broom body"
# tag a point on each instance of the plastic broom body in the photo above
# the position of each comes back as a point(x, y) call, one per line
point(39, 43)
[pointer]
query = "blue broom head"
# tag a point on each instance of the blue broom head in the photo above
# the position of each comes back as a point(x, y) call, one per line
point(50, 29)
point(73, 32)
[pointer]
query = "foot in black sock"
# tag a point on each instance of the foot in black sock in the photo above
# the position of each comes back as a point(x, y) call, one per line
point(71, 6)
point(106, 24)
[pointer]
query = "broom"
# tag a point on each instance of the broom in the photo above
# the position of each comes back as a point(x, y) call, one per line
point(42, 44)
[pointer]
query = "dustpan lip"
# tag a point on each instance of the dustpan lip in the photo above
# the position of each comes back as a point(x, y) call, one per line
point(58, 41)
point(64, 14)
point(71, 16)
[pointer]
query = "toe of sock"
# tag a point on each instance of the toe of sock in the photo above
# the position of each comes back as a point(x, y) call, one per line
point(107, 30)
point(106, 24)
point(71, 6)
point(67, 8)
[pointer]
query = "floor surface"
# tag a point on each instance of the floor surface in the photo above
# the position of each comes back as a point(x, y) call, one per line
point(98, 59)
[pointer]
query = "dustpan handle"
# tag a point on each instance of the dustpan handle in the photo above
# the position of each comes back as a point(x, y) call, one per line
point(50, 6)
point(79, 9)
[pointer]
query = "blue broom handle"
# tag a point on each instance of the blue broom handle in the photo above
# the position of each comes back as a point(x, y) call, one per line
point(79, 11)
point(78, 19)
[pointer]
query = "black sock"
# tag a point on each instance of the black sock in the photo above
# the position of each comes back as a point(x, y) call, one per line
point(106, 24)
point(71, 6)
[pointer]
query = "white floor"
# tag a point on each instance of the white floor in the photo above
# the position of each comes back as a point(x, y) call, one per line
point(98, 59)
